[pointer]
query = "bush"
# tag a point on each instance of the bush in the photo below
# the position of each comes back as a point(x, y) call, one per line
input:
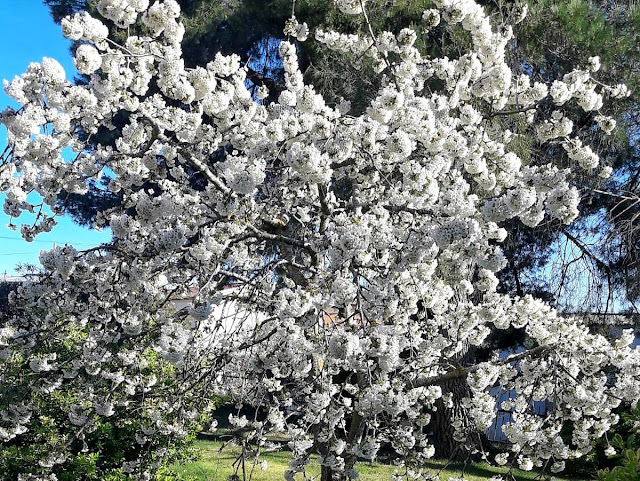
point(628, 468)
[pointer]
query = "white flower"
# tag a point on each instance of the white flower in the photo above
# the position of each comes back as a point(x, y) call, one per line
point(594, 64)
point(262, 93)
point(560, 92)
point(431, 18)
point(522, 11)
point(590, 100)
point(350, 7)
point(586, 158)
point(607, 124)
point(502, 458)
point(87, 59)
point(104, 409)
point(78, 415)
point(296, 30)
point(620, 91)
point(525, 463)
point(605, 172)
point(72, 27)
point(54, 72)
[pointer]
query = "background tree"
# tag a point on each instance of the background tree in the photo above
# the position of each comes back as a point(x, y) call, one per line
point(569, 32)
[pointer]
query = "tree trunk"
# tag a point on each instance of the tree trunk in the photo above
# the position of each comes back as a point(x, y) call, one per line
point(445, 444)
point(444, 441)
point(326, 473)
point(356, 429)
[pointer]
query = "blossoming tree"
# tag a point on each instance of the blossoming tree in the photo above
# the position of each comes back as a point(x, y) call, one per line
point(363, 250)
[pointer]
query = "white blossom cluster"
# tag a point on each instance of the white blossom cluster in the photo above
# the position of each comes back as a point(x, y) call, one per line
point(364, 248)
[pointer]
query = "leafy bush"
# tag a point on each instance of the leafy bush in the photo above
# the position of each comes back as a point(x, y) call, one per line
point(628, 468)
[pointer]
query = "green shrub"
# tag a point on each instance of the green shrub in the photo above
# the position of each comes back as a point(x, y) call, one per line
point(628, 468)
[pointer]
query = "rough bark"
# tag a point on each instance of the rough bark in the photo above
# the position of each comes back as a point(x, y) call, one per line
point(326, 473)
point(443, 431)
point(358, 424)
point(445, 444)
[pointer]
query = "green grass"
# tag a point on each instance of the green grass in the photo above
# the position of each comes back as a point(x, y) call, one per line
point(216, 464)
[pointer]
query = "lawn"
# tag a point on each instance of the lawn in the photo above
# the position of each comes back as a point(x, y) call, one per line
point(216, 464)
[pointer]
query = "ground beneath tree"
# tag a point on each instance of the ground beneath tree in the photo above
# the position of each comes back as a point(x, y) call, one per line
point(217, 459)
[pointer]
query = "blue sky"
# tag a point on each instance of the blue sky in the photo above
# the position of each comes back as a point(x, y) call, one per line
point(27, 33)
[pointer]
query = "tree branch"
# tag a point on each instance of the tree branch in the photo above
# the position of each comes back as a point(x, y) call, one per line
point(285, 240)
point(204, 168)
point(603, 265)
point(464, 371)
